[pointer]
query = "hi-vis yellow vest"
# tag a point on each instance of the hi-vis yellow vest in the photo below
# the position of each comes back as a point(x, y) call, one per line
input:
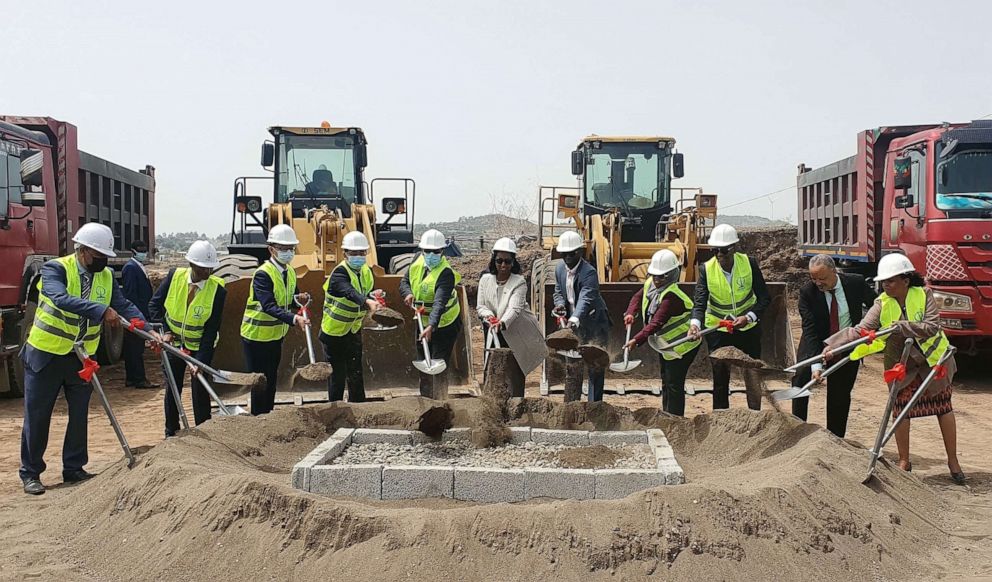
point(256, 325)
point(933, 347)
point(341, 315)
point(55, 331)
point(728, 300)
point(676, 327)
point(187, 322)
point(423, 290)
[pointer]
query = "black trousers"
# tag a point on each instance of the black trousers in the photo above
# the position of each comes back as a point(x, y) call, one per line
point(134, 363)
point(263, 358)
point(839, 387)
point(748, 342)
point(515, 378)
point(441, 345)
point(201, 400)
point(574, 374)
point(673, 373)
point(345, 355)
point(41, 391)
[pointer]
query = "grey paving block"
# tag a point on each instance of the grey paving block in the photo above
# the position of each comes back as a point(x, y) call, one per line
point(456, 434)
point(301, 477)
point(344, 434)
point(519, 435)
point(617, 483)
point(672, 471)
point(560, 437)
point(489, 485)
point(364, 436)
point(560, 483)
point(655, 437)
point(325, 451)
point(618, 437)
point(347, 480)
point(411, 482)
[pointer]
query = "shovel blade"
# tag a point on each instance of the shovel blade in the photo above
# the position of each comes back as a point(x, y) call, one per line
point(625, 366)
point(790, 393)
point(437, 367)
point(570, 354)
point(380, 328)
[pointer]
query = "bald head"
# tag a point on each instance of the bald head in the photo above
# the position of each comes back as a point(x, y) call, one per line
point(823, 272)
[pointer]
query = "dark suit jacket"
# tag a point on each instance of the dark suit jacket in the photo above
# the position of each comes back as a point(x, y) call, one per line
point(757, 283)
point(210, 329)
point(590, 309)
point(136, 286)
point(816, 316)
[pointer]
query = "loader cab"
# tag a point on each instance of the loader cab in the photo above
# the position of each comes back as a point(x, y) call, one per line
point(317, 166)
point(630, 174)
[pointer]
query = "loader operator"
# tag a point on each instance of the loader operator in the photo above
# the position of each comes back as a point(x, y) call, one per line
point(430, 285)
point(348, 295)
point(268, 315)
point(730, 287)
point(190, 302)
point(77, 295)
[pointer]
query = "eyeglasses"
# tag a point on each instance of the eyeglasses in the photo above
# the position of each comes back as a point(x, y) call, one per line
point(725, 250)
point(504, 261)
point(432, 251)
point(570, 254)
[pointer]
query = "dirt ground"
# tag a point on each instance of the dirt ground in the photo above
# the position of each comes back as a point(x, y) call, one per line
point(790, 509)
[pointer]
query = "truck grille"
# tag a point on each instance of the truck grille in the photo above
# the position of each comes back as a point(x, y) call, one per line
point(943, 264)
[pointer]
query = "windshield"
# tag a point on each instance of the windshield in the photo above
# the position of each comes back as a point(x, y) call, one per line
point(964, 180)
point(316, 166)
point(626, 176)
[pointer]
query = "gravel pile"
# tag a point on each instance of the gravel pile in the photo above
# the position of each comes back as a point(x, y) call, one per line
point(510, 456)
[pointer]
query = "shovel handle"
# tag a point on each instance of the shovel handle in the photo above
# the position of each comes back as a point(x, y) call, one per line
point(876, 451)
point(175, 351)
point(842, 348)
point(210, 390)
point(423, 340)
point(95, 381)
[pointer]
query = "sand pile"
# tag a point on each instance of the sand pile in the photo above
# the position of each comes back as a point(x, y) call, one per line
point(768, 498)
point(734, 356)
point(777, 252)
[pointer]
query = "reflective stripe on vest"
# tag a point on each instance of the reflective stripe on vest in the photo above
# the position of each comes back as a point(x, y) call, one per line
point(423, 287)
point(676, 327)
point(256, 325)
point(342, 315)
point(56, 330)
point(187, 322)
point(933, 347)
point(728, 300)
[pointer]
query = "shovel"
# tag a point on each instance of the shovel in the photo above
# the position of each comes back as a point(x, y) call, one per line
point(170, 380)
point(626, 365)
point(224, 409)
point(803, 391)
point(493, 340)
point(570, 354)
point(662, 347)
point(876, 451)
point(427, 366)
point(868, 337)
point(88, 373)
point(379, 296)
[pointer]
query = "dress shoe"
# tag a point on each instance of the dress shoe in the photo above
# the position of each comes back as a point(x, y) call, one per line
point(33, 487)
point(145, 385)
point(76, 476)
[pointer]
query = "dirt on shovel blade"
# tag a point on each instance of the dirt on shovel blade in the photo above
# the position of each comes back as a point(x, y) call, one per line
point(387, 317)
point(317, 372)
point(736, 357)
point(595, 356)
point(563, 339)
point(248, 379)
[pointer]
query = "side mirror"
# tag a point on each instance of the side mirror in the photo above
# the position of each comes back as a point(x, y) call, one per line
point(268, 154)
point(905, 201)
point(902, 173)
point(678, 166)
point(578, 162)
point(362, 154)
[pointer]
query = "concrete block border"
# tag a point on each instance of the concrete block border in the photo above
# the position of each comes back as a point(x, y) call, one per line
point(482, 484)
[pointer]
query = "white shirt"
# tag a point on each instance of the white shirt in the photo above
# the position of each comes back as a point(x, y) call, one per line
point(570, 285)
point(199, 284)
point(280, 266)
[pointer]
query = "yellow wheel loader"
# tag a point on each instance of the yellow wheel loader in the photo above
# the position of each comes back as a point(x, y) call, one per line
point(626, 209)
point(318, 187)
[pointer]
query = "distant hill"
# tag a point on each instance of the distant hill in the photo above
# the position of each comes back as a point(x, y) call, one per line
point(748, 221)
point(467, 229)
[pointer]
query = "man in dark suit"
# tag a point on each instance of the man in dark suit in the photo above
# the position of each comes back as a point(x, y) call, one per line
point(829, 302)
point(577, 298)
point(138, 290)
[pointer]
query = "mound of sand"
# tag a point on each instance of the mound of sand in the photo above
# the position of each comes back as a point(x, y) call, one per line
point(767, 498)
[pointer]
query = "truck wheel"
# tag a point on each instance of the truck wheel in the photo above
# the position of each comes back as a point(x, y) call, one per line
point(111, 345)
point(234, 267)
point(25, 328)
point(400, 264)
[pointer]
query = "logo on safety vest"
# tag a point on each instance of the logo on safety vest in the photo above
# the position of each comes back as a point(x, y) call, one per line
point(198, 311)
point(101, 293)
point(740, 284)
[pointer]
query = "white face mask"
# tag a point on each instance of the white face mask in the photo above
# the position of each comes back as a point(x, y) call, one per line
point(285, 257)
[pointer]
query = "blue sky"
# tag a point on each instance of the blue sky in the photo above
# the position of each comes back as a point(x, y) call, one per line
point(473, 99)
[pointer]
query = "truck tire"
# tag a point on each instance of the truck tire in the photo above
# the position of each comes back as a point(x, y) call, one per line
point(25, 328)
point(111, 345)
point(400, 264)
point(234, 267)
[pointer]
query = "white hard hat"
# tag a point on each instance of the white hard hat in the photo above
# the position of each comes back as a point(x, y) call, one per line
point(663, 262)
point(505, 245)
point(723, 235)
point(891, 265)
point(569, 241)
point(282, 234)
point(203, 254)
point(355, 241)
point(432, 240)
point(96, 236)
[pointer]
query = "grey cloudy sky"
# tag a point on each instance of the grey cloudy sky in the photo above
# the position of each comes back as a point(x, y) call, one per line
point(474, 98)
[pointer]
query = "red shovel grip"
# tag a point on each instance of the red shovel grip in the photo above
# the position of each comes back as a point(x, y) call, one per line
point(726, 324)
point(868, 333)
point(136, 323)
point(90, 366)
point(897, 372)
point(940, 372)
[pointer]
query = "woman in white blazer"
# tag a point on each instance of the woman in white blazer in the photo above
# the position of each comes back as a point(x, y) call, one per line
point(502, 302)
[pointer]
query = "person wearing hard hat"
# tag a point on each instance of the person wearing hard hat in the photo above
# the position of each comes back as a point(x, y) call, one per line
point(348, 295)
point(77, 296)
point(907, 304)
point(189, 303)
point(430, 284)
point(665, 310)
point(501, 302)
point(731, 288)
point(269, 314)
point(577, 299)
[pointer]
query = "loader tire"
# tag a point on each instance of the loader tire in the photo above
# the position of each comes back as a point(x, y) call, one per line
point(234, 267)
point(400, 264)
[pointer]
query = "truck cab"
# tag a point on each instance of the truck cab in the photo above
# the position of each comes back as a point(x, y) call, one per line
point(938, 211)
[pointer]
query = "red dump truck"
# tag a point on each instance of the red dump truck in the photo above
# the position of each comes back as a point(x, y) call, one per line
point(48, 187)
point(924, 191)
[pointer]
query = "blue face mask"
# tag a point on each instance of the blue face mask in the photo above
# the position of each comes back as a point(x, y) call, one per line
point(356, 262)
point(432, 259)
point(141, 257)
point(285, 257)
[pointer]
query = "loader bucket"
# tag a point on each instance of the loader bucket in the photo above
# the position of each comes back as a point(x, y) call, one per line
point(777, 347)
point(388, 355)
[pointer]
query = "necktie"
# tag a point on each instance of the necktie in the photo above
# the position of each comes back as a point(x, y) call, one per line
point(85, 284)
point(192, 293)
point(834, 313)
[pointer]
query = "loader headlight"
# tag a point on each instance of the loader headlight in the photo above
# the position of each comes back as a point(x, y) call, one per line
point(952, 301)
